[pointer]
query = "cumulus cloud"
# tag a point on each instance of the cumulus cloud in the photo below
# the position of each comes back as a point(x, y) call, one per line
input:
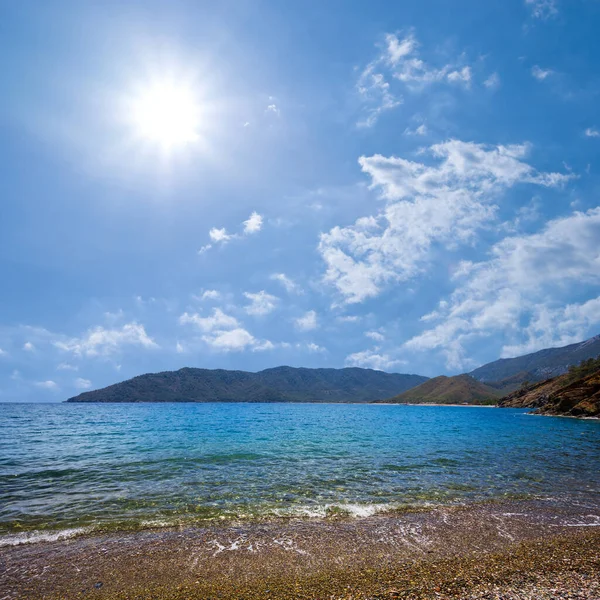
point(427, 205)
point(223, 332)
point(218, 320)
point(253, 224)
point(28, 347)
point(312, 347)
point(592, 132)
point(399, 61)
point(100, 341)
point(524, 291)
point(372, 359)
point(261, 303)
point(290, 286)
point(307, 322)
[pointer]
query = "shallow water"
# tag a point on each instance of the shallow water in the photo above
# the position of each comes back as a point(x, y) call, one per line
point(71, 466)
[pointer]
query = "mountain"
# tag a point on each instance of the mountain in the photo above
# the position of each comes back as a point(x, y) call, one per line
point(460, 389)
point(508, 373)
point(575, 394)
point(281, 384)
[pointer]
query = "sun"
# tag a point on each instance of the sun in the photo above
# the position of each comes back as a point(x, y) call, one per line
point(167, 114)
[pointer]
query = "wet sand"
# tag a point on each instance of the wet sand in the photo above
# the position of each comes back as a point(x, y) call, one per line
point(517, 549)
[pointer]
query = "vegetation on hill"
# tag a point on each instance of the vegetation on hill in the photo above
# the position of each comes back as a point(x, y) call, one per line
point(537, 366)
point(576, 393)
point(281, 384)
point(461, 389)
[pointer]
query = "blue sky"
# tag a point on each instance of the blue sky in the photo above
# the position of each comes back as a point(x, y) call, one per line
point(408, 186)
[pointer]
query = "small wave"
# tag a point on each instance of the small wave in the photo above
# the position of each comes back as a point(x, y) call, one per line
point(33, 537)
point(323, 511)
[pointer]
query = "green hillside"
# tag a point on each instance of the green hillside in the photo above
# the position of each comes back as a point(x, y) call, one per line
point(461, 389)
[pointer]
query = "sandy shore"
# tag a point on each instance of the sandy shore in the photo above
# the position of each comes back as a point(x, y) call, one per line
point(527, 549)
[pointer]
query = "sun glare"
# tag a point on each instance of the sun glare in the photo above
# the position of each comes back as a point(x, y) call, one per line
point(167, 114)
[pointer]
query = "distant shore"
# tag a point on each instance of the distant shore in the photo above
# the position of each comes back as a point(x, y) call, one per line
point(536, 548)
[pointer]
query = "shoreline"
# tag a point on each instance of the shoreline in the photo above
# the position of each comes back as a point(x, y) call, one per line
point(377, 556)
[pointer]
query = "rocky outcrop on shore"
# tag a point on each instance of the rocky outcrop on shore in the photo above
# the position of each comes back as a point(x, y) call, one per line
point(567, 395)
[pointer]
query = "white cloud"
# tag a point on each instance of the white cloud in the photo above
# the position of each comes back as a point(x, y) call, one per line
point(28, 347)
point(375, 92)
point(46, 385)
point(3, 352)
point(523, 291)
point(82, 384)
point(307, 322)
point(223, 333)
point(233, 340)
point(103, 342)
point(261, 303)
point(443, 204)
point(461, 76)
point(253, 224)
point(372, 359)
point(348, 319)
point(312, 347)
point(66, 367)
point(375, 335)
point(543, 9)
point(409, 68)
point(209, 295)
point(218, 320)
point(399, 61)
point(492, 82)
point(219, 235)
point(272, 108)
point(592, 132)
point(289, 285)
point(420, 130)
point(541, 74)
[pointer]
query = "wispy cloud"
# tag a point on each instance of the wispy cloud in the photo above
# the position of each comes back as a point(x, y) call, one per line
point(492, 82)
point(541, 74)
point(261, 303)
point(426, 205)
point(399, 61)
point(100, 341)
point(82, 384)
point(592, 132)
point(290, 286)
point(543, 9)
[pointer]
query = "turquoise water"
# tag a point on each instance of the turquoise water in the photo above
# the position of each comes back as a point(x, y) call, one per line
point(71, 466)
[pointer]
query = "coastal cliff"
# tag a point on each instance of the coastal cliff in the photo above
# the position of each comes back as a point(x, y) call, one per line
point(575, 394)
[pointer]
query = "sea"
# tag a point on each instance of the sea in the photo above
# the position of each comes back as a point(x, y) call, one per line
point(70, 469)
